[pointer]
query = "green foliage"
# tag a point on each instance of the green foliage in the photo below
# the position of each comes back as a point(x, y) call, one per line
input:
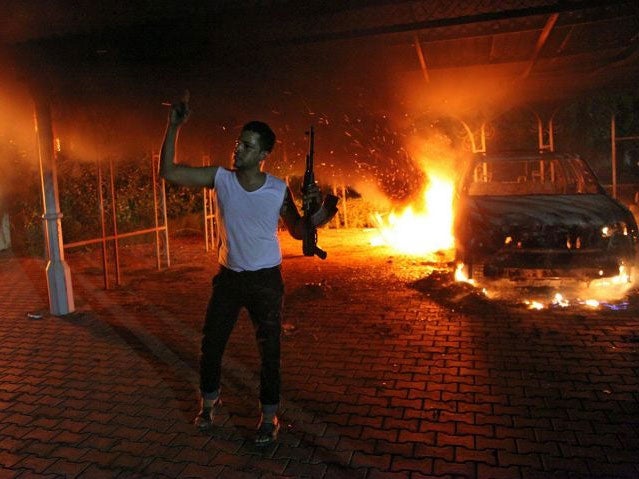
point(133, 192)
point(20, 198)
point(77, 187)
point(183, 201)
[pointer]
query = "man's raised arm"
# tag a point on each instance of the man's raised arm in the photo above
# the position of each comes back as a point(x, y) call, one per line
point(181, 174)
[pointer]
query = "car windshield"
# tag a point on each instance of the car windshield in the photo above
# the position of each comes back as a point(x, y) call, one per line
point(531, 176)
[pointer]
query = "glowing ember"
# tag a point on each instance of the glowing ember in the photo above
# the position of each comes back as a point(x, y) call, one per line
point(622, 279)
point(559, 300)
point(421, 233)
point(534, 304)
point(604, 291)
point(461, 276)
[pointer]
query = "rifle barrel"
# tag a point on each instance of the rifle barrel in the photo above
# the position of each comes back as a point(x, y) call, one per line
point(311, 149)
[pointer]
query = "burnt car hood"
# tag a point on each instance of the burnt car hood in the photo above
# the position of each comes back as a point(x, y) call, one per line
point(489, 219)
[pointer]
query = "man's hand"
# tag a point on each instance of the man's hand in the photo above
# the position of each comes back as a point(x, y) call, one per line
point(312, 198)
point(180, 110)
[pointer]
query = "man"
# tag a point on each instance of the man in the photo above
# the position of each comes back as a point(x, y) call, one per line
point(249, 203)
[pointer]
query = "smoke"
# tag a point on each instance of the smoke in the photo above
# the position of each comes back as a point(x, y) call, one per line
point(17, 127)
point(434, 151)
point(375, 121)
point(475, 95)
point(370, 189)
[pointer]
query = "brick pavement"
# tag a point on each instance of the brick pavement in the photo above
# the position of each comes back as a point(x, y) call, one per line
point(381, 379)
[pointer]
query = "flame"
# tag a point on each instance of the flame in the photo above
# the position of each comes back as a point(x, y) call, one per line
point(560, 300)
point(622, 279)
point(604, 291)
point(461, 276)
point(534, 304)
point(421, 232)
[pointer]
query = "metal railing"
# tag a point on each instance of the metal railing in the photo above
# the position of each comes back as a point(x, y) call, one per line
point(161, 230)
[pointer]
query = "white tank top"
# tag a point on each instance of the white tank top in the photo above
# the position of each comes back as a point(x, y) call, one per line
point(247, 222)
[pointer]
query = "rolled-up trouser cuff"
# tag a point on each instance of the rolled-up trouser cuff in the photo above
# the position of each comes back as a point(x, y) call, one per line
point(270, 408)
point(212, 396)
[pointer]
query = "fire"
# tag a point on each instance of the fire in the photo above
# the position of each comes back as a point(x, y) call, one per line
point(460, 275)
point(420, 232)
point(427, 228)
point(598, 292)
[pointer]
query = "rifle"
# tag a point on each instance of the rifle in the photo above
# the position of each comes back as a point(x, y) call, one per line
point(309, 241)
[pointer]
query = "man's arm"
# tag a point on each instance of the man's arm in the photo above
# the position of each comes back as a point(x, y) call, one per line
point(294, 223)
point(181, 174)
point(291, 217)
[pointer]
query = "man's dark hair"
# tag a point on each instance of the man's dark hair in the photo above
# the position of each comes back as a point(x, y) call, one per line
point(267, 137)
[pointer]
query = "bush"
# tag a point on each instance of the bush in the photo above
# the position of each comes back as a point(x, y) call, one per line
point(133, 188)
point(20, 198)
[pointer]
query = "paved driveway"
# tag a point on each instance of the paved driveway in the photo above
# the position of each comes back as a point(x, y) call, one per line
point(389, 369)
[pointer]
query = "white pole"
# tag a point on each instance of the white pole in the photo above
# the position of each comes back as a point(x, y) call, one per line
point(57, 270)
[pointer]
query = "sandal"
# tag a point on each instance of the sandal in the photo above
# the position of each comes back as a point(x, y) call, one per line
point(204, 419)
point(267, 432)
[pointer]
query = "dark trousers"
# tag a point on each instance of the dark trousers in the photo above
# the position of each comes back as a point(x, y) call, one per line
point(260, 292)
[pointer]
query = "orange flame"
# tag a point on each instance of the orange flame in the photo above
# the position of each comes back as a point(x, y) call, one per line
point(426, 230)
point(461, 276)
point(420, 232)
point(607, 290)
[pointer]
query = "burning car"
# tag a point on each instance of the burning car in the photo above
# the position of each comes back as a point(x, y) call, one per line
point(539, 217)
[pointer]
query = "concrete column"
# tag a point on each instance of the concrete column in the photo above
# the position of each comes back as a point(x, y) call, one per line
point(57, 270)
point(5, 232)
